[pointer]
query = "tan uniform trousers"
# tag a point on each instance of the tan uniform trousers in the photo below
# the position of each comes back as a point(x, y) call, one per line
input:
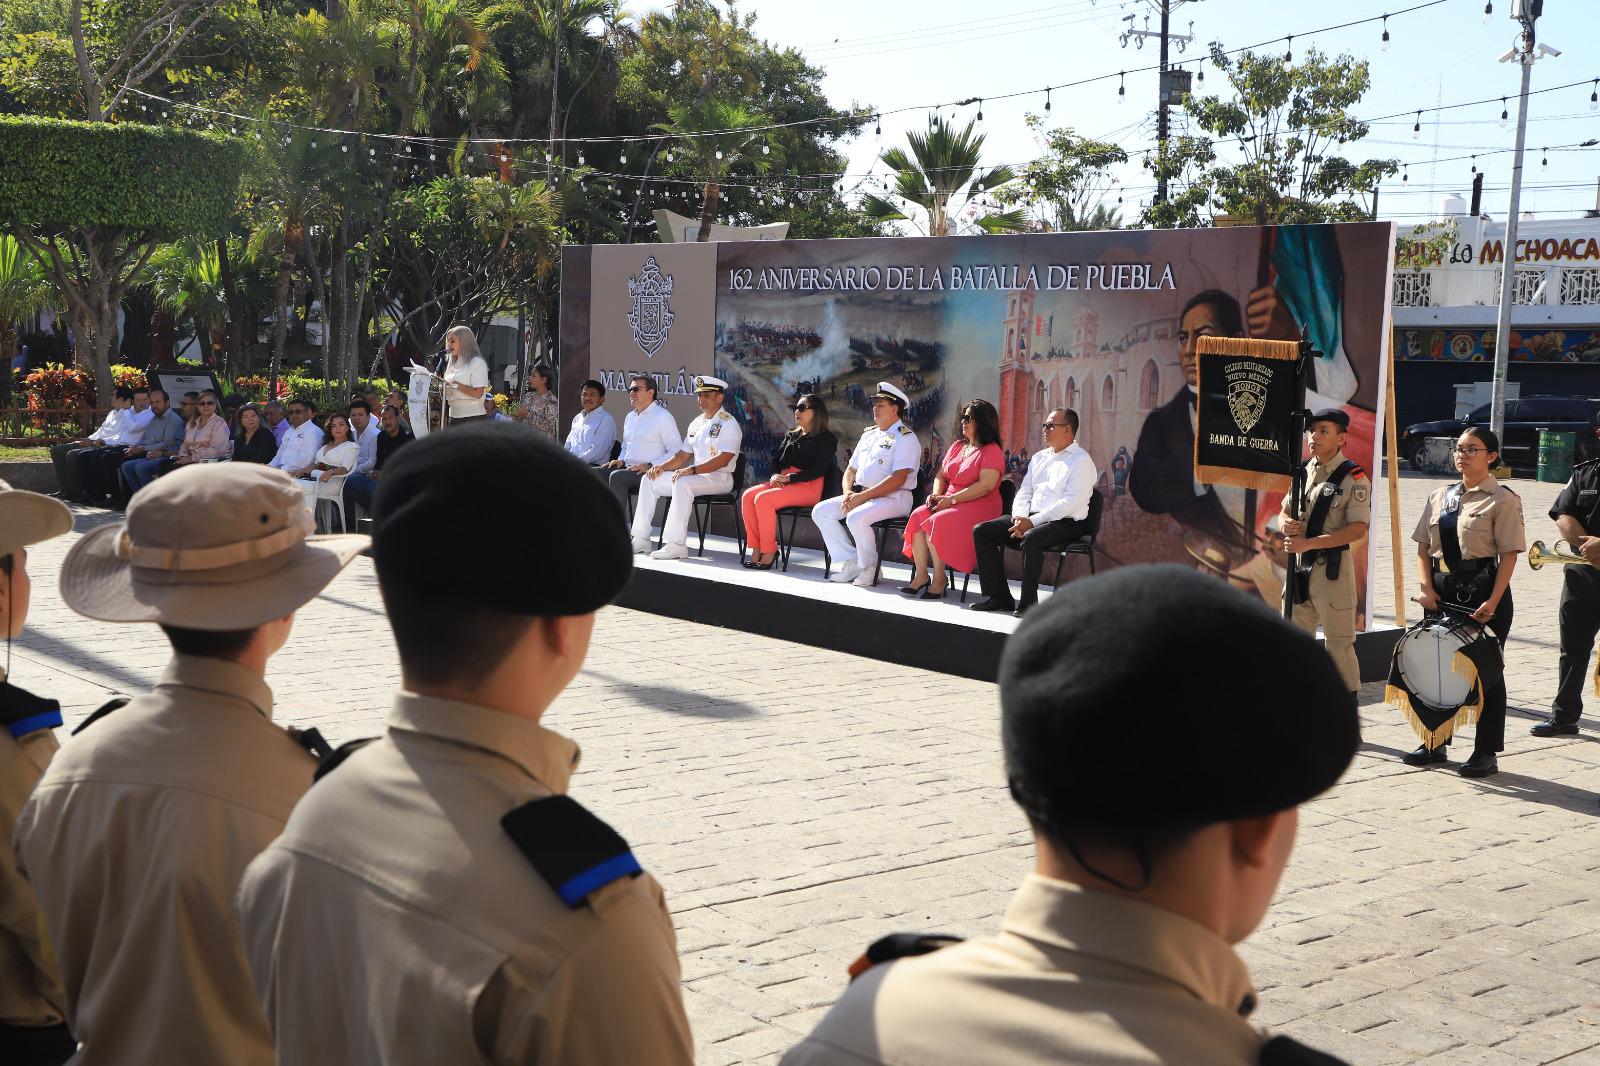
point(1333, 604)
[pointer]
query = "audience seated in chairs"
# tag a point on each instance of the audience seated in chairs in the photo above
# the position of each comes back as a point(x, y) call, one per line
point(122, 427)
point(361, 484)
point(938, 535)
point(162, 436)
point(806, 455)
point(703, 467)
point(1050, 510)
point(593, 429)
point(878, 485)
point(205, 439)
point(538, 405)
point(365, 429)
point(253, 442)
point(324, 480)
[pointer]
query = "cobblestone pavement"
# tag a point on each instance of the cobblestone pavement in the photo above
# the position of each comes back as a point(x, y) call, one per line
point(798, 803)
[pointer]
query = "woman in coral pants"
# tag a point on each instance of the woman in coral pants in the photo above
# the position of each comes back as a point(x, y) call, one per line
point(808, 452)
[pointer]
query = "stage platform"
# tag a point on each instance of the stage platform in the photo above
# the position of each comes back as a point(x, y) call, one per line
point(880, 623)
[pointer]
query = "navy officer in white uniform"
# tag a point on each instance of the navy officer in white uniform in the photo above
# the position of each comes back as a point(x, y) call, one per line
point(878, 484)
point(704, 467)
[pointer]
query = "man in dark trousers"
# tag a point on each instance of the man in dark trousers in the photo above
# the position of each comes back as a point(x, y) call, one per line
point(1577, 515)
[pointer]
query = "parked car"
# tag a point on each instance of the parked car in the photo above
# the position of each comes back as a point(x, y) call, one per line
point(1525, 418)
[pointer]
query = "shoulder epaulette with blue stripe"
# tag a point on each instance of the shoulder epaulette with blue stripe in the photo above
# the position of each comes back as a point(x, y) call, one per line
point(573, 850)
point(22, 712)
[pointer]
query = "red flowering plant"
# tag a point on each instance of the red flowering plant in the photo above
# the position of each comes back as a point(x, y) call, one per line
point(60, 400)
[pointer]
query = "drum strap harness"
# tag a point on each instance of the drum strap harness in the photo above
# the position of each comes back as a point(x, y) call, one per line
point(1330, 557)
point(1467, 575)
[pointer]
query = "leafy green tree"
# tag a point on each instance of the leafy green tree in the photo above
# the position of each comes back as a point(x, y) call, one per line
point(944, 165)
point(1185, 167)
point(1067, 186)
point(462, 249)
point(1290, 126)
point(718, 135)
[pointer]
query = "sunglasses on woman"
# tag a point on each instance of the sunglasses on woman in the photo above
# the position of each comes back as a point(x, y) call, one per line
point(800, 407)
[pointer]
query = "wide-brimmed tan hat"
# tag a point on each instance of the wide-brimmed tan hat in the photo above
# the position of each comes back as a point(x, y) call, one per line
point(29, 518)
point(218, 546)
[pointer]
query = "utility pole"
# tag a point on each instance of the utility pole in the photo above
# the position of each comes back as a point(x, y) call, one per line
point(1173, 84)
point(1526, 13)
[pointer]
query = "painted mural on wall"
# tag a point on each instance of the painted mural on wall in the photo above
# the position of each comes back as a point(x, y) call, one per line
point(1461, 345)
point(1102, 323)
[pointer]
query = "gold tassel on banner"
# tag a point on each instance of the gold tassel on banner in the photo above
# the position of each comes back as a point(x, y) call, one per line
point(1254, 349)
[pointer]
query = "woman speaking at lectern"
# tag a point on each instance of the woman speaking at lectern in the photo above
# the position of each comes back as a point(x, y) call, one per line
point(466, 375)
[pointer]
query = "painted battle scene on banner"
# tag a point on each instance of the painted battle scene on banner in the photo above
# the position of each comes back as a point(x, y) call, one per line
point(1095, 322)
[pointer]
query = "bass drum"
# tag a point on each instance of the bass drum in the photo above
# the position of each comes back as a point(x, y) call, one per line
point(1426, 660)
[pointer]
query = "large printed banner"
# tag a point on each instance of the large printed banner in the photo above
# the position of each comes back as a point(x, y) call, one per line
point(1103, 323)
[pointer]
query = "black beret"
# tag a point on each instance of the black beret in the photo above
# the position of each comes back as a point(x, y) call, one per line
point(1157, 699)
point(536, 532)
point(1336, 415)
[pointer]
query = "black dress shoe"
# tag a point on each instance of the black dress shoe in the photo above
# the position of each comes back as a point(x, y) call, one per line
point(993, 604)
point(1423, 757)
point(1553, 728)
point(1482, 764)
point(914, 590)
point(927, 592)
point(1024, 607)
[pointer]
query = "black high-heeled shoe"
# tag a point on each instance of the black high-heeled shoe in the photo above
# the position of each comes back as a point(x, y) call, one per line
point(914, 590)
point(768, 565)
point(927, 592)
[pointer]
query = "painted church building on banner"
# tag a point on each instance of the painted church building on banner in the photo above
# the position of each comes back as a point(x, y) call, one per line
point(1113, 386)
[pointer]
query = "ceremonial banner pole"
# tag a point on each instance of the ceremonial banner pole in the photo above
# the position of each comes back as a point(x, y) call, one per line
point(1393, 462)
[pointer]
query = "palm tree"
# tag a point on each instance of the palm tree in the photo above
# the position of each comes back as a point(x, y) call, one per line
point(290, 183)
point(186, 282)
point(717, 153)
point(943, 164)
point(24, 292)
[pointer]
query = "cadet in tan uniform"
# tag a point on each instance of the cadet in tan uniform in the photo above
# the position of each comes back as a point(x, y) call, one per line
point(137, 835)
point(1334, 514)
point(1153, 859)
point(32, 1005)
point(1468, 540)
point(437, 897)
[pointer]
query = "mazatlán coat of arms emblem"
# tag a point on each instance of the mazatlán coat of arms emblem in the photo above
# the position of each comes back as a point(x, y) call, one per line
point(651, 316)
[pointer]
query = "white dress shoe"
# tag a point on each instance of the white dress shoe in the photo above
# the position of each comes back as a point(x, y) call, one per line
point(846, 572)
point(671, 551)
point(864, 580)
point(641, 545)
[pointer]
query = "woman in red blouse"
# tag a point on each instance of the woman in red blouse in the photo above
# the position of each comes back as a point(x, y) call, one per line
point(966, 491)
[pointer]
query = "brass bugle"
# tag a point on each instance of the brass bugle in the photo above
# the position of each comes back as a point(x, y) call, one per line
point(1539, 556)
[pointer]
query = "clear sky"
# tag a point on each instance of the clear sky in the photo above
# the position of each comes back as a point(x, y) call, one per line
point(893, 54)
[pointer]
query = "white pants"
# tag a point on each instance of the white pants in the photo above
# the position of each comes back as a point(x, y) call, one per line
point(831, 520)
point(682, 493)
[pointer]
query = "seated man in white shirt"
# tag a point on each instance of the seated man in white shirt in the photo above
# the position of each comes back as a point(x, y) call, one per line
point(297, 451)
point(703, 466)
point(650, 437)
point(1049, 511)
point(593, 431)
point(878, 484)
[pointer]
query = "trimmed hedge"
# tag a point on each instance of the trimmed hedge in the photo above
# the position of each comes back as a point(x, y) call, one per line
point(57, 175)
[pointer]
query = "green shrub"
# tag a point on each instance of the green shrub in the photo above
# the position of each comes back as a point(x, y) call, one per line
point(58, 175)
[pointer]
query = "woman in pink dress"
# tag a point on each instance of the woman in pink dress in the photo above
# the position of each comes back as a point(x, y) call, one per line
point(966, 491)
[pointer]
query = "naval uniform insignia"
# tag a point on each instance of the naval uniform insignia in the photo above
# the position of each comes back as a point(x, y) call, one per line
point(572, 849)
